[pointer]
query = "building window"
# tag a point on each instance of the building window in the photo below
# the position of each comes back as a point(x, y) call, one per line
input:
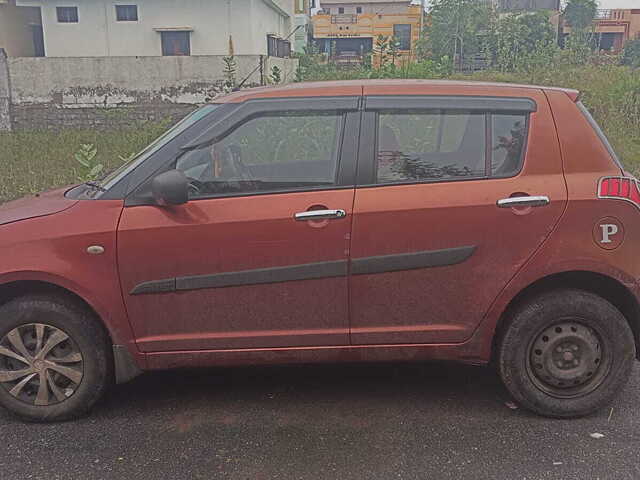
point(67, 14)
point(402, 33)
point(278, 47)
point(127, 13)
point(358, 9)
point(176, 44)
point(341, 10)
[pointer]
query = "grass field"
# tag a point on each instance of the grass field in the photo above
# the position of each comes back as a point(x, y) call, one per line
point(34, 161)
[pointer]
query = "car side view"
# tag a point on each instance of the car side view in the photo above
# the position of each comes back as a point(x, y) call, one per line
point(335, 222)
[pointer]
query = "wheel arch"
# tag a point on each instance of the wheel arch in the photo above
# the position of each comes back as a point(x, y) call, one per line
point(18, 288)
point(124, 365)
point(599, 284)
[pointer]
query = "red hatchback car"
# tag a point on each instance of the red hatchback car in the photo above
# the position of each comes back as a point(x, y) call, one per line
point(331, 222)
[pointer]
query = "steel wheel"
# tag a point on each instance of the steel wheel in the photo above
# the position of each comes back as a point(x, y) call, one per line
point(40, 364)
point(568, 360)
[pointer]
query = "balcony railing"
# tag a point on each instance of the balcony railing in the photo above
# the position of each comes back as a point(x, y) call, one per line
point(344, 18)
point(604, 14)
point(610, 15)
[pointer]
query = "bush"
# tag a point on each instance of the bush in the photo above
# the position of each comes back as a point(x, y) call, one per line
point(631, 55)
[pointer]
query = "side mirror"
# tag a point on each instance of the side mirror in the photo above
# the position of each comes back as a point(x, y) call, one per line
point(170, 188)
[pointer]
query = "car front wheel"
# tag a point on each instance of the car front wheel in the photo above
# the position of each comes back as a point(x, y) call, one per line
point(54, 362)
point(566, 353)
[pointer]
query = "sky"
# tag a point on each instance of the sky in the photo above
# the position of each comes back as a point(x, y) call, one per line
point(619, 3)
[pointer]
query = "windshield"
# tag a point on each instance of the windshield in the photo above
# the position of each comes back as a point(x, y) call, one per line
point(114, 177)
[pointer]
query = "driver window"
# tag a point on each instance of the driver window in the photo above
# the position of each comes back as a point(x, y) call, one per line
point(284, 151)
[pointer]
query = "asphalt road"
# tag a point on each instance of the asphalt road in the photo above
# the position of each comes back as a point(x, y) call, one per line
point(323, 422)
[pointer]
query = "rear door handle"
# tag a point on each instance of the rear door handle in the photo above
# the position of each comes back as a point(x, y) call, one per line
point(528, 201)
point(320, 215)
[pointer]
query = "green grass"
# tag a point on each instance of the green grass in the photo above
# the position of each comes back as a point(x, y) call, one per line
point(31, 162)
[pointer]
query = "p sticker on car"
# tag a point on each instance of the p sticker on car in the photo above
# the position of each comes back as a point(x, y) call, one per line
point(608, 233)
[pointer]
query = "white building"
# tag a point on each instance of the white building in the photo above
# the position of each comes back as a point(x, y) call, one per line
point(102, 28)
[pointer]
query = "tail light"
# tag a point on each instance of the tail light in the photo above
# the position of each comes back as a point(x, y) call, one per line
point(620, 188)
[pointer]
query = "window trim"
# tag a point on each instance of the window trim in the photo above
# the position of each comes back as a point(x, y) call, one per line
point(368, 151)
point(137, 19)
point(77, 12)
point(451, 102)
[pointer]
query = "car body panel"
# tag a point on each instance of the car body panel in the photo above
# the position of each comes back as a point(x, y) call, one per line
point(237, 235)
point(446, 303)
point(40, 205)
point(53, 250)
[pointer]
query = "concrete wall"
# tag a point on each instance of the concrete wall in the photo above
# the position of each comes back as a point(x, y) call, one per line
point(97, 32)
point(16, 35)
point(117, 91)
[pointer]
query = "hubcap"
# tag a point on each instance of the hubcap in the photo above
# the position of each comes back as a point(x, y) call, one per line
point(40, 364)
point(567, 360)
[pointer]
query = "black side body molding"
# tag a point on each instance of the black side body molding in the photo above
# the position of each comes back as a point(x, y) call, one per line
point(411, 261)
point(310, 271)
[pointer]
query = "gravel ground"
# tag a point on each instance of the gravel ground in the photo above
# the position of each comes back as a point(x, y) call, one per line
point(432, 421)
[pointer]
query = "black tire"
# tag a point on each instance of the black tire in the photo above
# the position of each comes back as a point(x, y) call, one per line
point(87, 337)
point(566, 353)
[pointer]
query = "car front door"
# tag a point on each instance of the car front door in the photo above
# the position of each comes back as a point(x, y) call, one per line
point(258, 257)
point(446, 210)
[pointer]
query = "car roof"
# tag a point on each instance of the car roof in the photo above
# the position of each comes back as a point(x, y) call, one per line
point(387, 87)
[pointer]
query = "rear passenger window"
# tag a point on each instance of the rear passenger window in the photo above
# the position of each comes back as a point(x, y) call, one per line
point(448, 145)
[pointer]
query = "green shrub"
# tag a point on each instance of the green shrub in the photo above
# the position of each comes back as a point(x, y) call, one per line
point(631, 55)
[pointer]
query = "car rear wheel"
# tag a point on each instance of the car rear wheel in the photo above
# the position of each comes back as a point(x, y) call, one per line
point(566, 353)
point(54, 358)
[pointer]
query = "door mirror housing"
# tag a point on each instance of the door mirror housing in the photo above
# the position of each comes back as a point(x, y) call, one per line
point(170, 188)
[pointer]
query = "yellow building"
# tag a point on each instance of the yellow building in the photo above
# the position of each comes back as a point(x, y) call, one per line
point(20, 30)
point(614, 28)
point(348, 30)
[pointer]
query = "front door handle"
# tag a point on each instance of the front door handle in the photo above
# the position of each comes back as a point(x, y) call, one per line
point(526, 201)
point(320, 215)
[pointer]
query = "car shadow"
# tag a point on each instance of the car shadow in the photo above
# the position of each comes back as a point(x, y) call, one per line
point(460, 387)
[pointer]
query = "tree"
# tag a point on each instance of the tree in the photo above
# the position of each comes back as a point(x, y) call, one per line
point(523, 41)
point(579, 15)
point(230, 67)
point(457, 28)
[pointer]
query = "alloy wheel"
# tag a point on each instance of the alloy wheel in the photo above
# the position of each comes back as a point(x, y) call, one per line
point(40, 364)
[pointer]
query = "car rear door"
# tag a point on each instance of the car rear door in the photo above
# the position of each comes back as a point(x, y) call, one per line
point(455, 192)
point(258, 257)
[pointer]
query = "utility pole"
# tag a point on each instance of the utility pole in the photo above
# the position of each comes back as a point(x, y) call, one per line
point(422, 7)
